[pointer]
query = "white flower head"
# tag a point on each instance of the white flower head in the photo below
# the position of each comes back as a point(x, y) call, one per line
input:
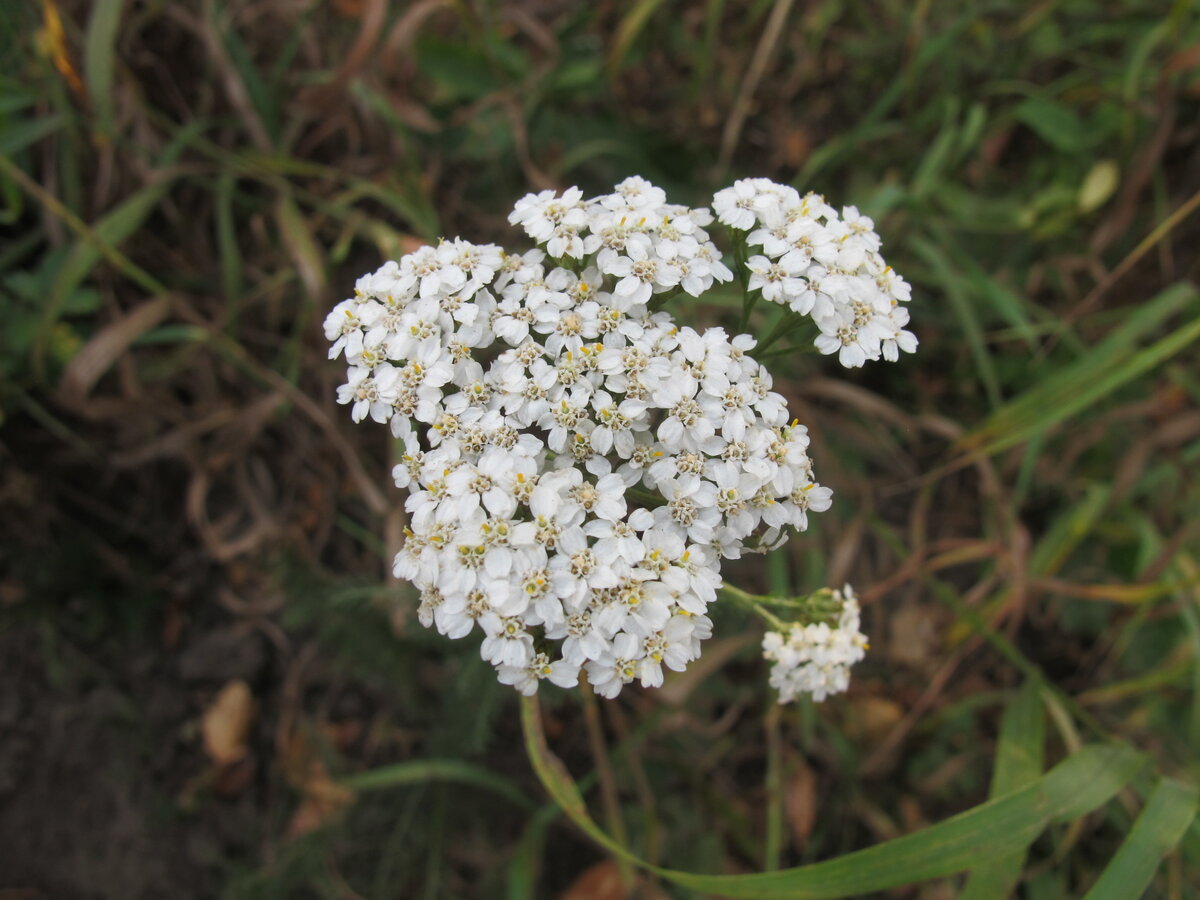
point(815, 658)
point(579, 466)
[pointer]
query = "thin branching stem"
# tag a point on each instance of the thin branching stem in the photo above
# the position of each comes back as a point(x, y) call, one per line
point(608, 783)
point(774, 786)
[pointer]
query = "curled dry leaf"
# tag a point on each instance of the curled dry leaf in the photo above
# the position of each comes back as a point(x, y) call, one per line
point(323, 798)
point(103, 350)
point(226, 723)
point(315, 810)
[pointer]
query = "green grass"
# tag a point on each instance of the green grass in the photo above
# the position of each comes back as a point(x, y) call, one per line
point(1016, 502)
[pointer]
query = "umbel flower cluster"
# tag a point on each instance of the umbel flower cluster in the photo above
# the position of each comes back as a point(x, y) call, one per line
point(822, 265)
point(578, 464)
point(815, 658)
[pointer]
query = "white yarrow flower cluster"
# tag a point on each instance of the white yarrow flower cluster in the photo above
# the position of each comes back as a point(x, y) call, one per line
point(823, 265)
point(816, 658)
point(578, 465)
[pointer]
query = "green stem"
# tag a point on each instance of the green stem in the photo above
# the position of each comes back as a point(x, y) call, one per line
point(1001, 644)
point(782, 351)
point(774, 787)
point(748, 298)
point(817, 606)
point(660, 300)
point(567, 262)
point(739, 265)
point(754, 604)
point(789, 324)
point(608, 783)
point(649, 499)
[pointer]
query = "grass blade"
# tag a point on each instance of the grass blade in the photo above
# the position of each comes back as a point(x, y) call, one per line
point(1069, 530)
point(1081, 783)
point(1157, 830)
point(1109, 365)
point(1020, 755)
point(15, 138)
point(523, 871)
point(633, 23)
point(1004, 825)
point(98, 62)
point(108, 233)
point(1019, 759)
point(426, 770)
point(229, 251)
point(956, 292)
point(301, 245)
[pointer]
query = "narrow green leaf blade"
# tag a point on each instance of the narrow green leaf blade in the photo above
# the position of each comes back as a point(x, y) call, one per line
point(938, 156)
point(229, 250)
point(953, 286)
point(627, 32)
point(1157, 830)
point(1021, 752)
point(1019, 759)
point(1069, 530)
point(300, 243)
point(1079, 784)
point(15, 138)
point(1056, 123)
point(109, 232)
point(1106, 367)
point(558, 781)
point(422, 771)
point(522, 877)
point(99, 61)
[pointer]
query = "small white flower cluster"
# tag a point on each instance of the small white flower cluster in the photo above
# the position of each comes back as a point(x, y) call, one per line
point(578, 464)
point(815, 658)
point(822, 265)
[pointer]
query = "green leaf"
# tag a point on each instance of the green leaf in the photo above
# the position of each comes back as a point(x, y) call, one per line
point(15, 138)
point(972, 129)
point(589, 150)
point(1068, 530)
point(632, 24)
point(1021, 752)
point(1103, 369)
point(956, 292)
point(938, 156)
point(426, 770)
point(523, 870)
point(109, 232)
point(1019, 759)
point(14, 98)
point(229, 250)
point(1005, 302)
point(98, 59)
point(1054, 122)
point(457, 72)
point(301, 245)
point(265, 105)
point(1161, 826)
point(1076, 786)
point(577, 75)
point(1081, 783)
point(1098, 185)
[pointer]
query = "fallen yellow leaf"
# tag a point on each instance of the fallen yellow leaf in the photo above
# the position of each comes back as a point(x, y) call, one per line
point(226, 723)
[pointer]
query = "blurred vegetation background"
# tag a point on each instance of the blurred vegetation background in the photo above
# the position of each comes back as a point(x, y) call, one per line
point(206, 679)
